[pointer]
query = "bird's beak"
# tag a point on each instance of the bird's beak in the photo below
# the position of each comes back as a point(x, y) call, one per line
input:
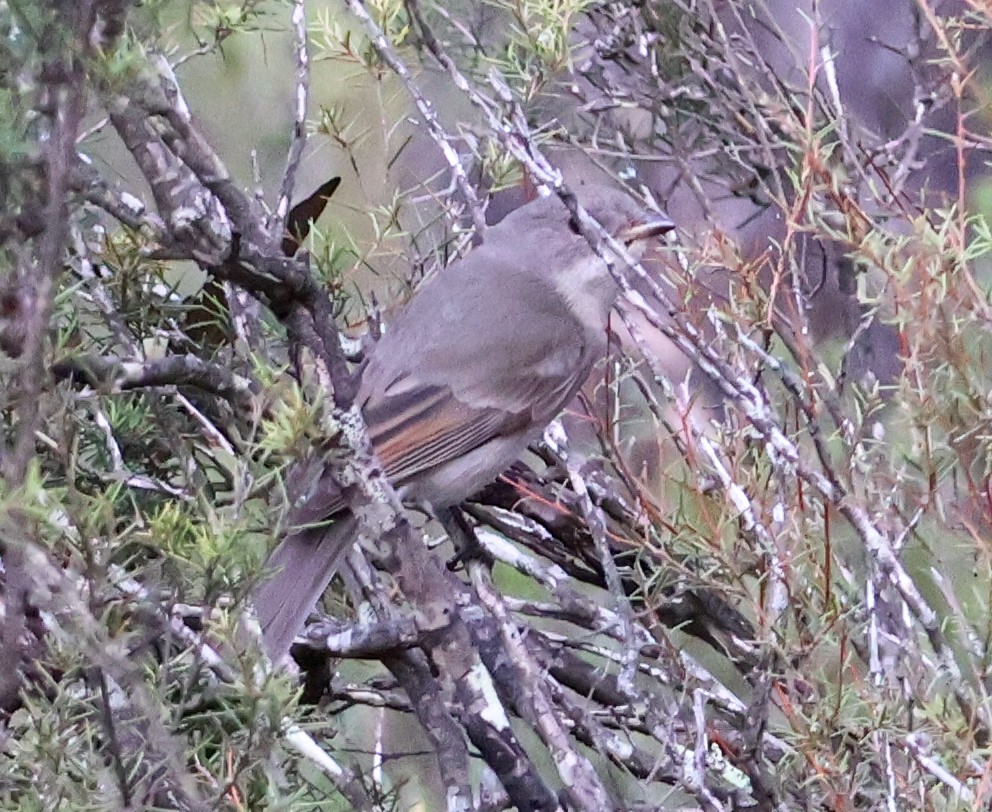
point(645, 231)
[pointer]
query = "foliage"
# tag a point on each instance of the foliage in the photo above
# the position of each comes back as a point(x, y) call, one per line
point(756, 574)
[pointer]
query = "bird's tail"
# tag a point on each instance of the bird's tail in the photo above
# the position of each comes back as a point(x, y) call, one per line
point(302, 566)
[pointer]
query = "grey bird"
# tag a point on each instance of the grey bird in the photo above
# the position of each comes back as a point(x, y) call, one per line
point(470, 373)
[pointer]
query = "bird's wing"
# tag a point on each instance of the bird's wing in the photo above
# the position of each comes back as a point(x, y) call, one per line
point(480, 373)
point(414, 430)
point(427, 425)
point(417, 424)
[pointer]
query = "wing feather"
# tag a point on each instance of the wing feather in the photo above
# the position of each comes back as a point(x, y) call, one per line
point(428, 426)
point(429, 400)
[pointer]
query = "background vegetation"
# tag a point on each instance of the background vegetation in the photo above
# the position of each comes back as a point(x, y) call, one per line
point(748, 569)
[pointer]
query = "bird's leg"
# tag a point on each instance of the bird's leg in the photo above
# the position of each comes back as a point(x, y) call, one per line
point(462, 535)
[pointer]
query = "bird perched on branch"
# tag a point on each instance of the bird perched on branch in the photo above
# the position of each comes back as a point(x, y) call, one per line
point(470, 372)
